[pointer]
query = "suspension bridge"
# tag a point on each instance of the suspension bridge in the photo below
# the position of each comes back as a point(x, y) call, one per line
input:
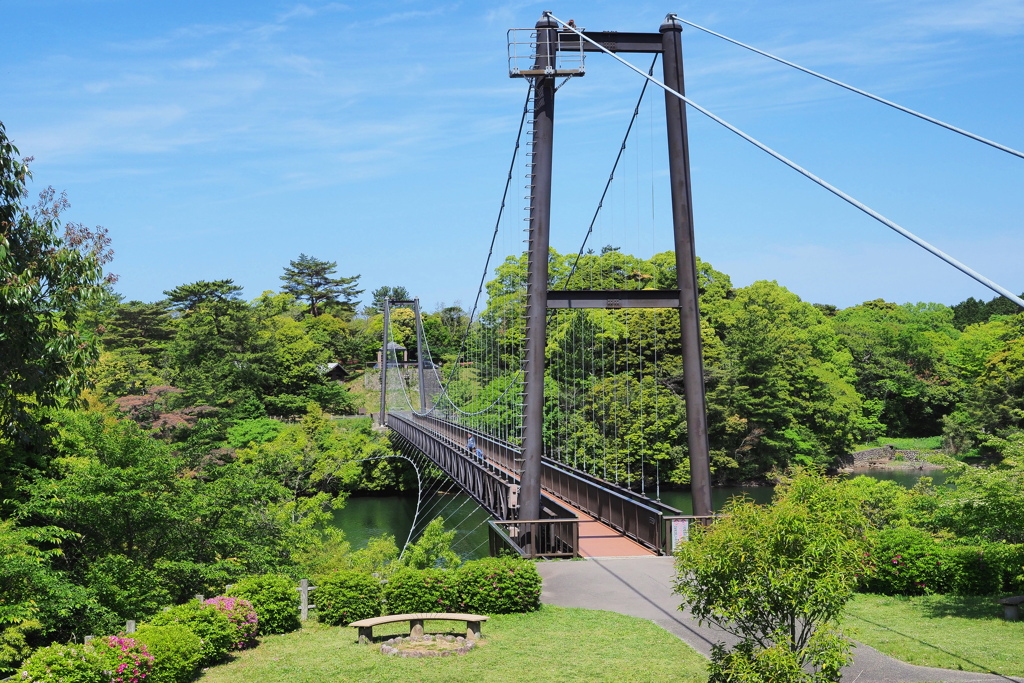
point(562, 403)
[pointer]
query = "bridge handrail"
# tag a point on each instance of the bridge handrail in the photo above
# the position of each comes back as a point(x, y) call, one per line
point(611, 508)
point(550, 505)
point(546, 537)
point(612, 488)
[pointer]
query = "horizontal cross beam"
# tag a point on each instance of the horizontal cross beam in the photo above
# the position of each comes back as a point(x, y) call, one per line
point(613, 298)
point(614, 41)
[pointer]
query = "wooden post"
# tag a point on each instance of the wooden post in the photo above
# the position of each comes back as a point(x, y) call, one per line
point(304, 599)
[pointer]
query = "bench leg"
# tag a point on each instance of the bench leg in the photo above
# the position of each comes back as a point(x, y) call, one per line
point(472, 630)
point(365, 634)
point(416, 628)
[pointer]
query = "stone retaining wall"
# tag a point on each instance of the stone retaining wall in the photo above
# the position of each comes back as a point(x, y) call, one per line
point(887, 452)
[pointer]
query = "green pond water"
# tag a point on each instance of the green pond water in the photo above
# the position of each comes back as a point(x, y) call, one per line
point(364, 517)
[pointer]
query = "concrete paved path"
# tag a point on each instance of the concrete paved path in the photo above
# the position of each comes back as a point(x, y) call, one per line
point(642, 587)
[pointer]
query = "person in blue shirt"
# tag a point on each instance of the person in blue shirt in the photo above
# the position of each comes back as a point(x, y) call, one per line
point(480, 455)
point(471, 444)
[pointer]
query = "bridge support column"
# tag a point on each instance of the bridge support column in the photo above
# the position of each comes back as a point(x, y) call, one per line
point(537, 270)
point(384, 364)
point(686, 267)
point(419, 356)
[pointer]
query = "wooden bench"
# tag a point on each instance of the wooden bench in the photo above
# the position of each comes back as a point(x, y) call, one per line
point(473, 622)
point(1011, 607)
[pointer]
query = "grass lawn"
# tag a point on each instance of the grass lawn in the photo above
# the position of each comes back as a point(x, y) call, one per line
point(554, 644)
point(946, 631)
point(924, 443)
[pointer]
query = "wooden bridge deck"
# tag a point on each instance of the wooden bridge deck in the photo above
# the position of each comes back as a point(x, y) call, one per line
point(600, 540)
point(596, 539)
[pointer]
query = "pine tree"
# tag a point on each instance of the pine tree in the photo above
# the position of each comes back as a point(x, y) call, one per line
point(309, 279)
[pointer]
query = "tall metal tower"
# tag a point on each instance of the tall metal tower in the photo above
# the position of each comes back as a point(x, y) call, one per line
point(547, 41)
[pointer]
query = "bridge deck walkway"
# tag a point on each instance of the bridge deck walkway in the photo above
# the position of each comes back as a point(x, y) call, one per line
point(597, 539)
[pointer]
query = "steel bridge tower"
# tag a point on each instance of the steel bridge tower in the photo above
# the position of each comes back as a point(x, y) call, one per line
point(547, 41)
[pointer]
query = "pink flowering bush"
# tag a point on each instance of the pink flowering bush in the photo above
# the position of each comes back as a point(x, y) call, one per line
point(123, 659)
point(242, 615)
point(112, 659)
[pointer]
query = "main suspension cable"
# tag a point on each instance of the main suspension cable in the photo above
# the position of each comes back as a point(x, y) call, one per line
point(810, 176)
point(876, 98)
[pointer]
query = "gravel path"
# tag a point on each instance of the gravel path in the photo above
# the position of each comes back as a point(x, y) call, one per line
point(642, 587)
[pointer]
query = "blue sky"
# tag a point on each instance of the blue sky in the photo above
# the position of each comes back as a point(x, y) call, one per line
point(222, 139)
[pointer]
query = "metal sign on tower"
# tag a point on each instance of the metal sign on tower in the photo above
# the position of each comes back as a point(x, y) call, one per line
point(543, 54)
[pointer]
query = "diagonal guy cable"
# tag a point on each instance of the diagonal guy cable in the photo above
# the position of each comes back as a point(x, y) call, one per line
point(876, 98)
point(810, 176)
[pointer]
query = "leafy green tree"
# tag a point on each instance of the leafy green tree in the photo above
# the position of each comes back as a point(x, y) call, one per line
point(899, 355)
point(994, 401)
point(123, 493)
point(783, 374)
point(221, 354)
point(124, 372)
point(982, 503)
point(778, 578)
point(310, 460)
point(310, 279)
point(433, 549)
point(335, 336)
point(23, 564)
point(48, 279)
point(116, 488)
point(973, 311)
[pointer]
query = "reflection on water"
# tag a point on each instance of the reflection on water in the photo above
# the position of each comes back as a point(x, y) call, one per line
point(367, 516)
point(907, 478)
point(683, 501)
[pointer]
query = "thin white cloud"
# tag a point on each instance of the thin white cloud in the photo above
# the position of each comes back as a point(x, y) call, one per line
point(304, 11)
point(995, 17)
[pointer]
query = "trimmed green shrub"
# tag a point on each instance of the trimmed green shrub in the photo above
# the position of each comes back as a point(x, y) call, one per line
point(908, 561)
point(124, 659)
point(176, 650)
point(214, 629)
point(905, 561)
point(497, 585)
point(970, 570)
point(346, 596)
point(420, 590)
point(241, 614)
point(275, 599)
point(1013, 568)
point(63, 664)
